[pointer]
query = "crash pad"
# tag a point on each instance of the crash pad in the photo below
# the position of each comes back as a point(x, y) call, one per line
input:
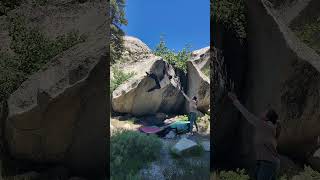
point(180, 126)
point(150, 129)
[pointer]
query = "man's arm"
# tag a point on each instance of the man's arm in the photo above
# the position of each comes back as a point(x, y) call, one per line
point(185, 95)
point(249, 116)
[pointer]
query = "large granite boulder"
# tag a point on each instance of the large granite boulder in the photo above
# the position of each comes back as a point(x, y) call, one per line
point(132, 96)
point(198, 80)
point(58, 115)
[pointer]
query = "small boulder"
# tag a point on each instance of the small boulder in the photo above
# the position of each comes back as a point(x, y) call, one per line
point(183, 145)
point(170, 135)
point(206, 145)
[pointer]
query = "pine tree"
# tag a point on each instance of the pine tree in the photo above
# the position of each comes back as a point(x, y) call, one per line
point(117, 15)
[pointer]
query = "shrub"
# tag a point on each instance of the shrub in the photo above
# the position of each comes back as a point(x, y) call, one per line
point(32, 49)
point(187, 169)
point(308, 174)
point(130, 151)
point(232, 14)
point(35, 49)
point(204, 122)
point(7, 5)
point(117, 18)
point(119, 77)
point(178, 60)
point(10, 76)
point(309, 34)
point(206, 71)
point(232, 175)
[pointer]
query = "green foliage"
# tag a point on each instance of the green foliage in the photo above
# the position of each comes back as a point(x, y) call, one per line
point(182, 117)
point(178, 60)
point(204, 122)
point(10, 76)
point(188, 169)
point(308, 174)
point(232, 14)
point(117, 15)
point(32, 49)
point(284, 177)
point(7, 5)
point(309, 34)
point(35, 49)
point(39, 2)
point(232, 175)
point(130, 151)
point(119, 77)
point(206, 71)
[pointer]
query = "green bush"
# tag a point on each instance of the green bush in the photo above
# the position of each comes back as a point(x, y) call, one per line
point(204, 122)
point(309, 34)
point(10, 76)
point(118, 19)
point(32, 49)
point(232, 14)
point(130, 151)
point(308, 174)
point(206, 71)
point(119, 77)
point(233, 175)
point(7, 5)
point(178, 60)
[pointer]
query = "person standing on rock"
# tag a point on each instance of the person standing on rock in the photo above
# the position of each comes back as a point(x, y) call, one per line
point(265, 140)
point(192, 110)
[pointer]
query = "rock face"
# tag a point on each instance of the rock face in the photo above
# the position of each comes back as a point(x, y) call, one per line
point(58, 115)
point(282, 72)
point(284, 75)
point(198, 82)
point(201, 57)
point(225, 117)
point(132, 97)
point(135, 50)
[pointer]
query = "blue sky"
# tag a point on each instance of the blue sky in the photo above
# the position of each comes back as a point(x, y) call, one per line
point(181, 22)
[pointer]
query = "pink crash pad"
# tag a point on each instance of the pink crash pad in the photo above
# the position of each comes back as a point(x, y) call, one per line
point(150, 129)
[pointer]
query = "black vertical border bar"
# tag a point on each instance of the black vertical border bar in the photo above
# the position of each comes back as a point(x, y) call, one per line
point(212, 76)
point(108, 58)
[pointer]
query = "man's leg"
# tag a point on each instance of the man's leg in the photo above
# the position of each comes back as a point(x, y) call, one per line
point(191, 121)
point(195, 121)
